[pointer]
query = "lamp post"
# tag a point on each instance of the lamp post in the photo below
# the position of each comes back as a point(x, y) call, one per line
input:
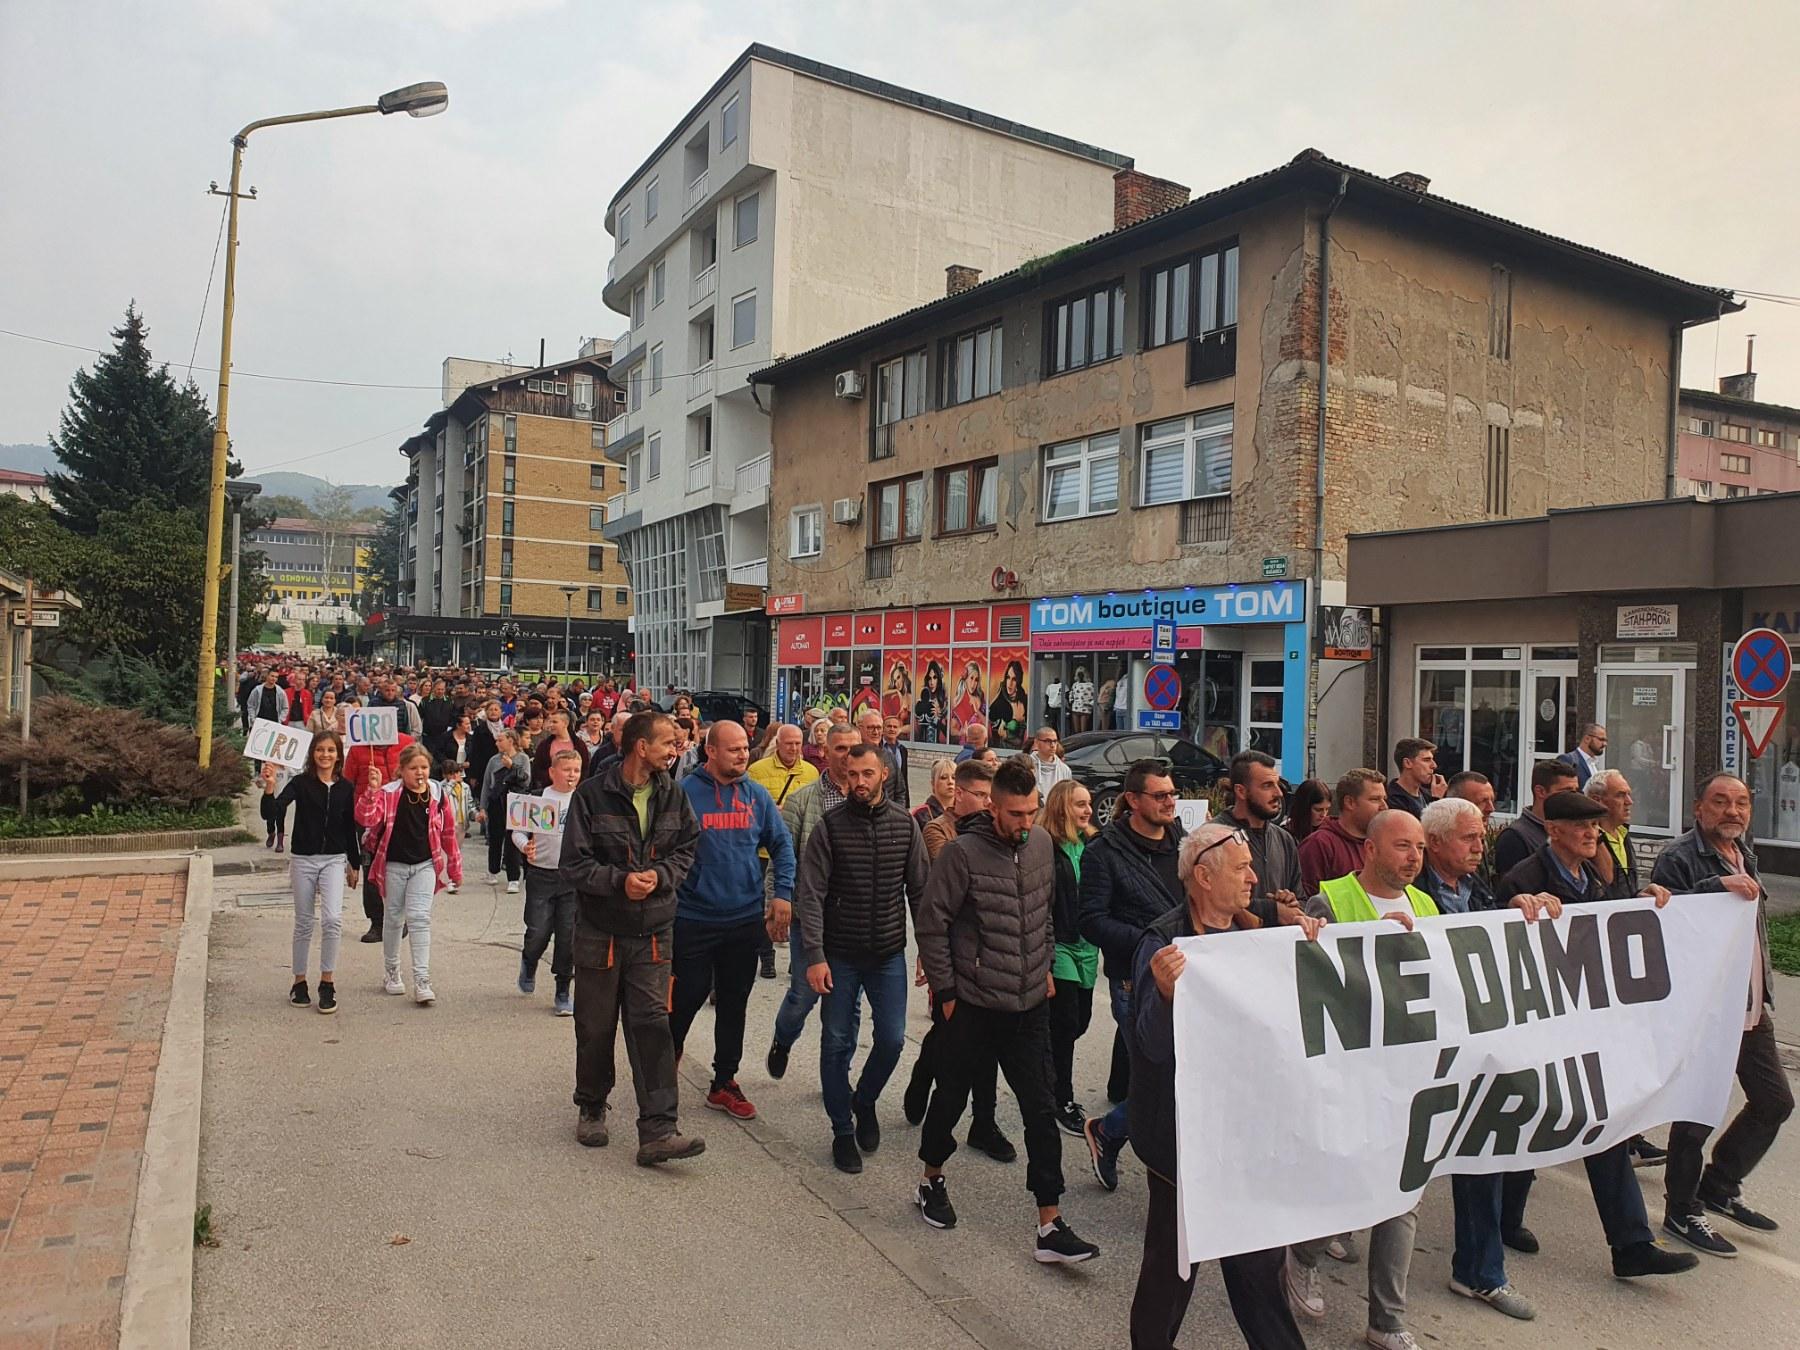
point(240, 492)
point(415, 100)
point(568, 588)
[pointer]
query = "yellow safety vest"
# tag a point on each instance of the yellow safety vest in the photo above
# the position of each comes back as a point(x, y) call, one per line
point(1350, 903)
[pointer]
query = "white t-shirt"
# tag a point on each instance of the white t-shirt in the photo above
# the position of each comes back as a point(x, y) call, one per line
point(1122, 694)
point(1053, 694)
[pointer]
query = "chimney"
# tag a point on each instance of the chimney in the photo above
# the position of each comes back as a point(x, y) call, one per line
point(958, 278)
point(1411, 182)
point(1138, 196)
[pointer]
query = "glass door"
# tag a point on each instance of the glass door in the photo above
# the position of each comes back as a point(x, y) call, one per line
point(1644, 712)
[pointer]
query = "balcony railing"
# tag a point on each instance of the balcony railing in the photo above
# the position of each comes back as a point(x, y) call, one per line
point(753, 477)
point(750, 572)
point(615, 506)
point(704, 285)
point(700, 382)
point(619, 428)
point(700, 474)
point(696, 193)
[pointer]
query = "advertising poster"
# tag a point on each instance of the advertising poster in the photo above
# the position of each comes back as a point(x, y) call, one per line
point(836, 693)
point(1008, 697)
point(865, 685)
point(931, 697)
point(968, 689)
point(897, 689)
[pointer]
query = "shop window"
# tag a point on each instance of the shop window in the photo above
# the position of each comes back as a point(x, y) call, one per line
point(1471, 711)
point(1775, 778)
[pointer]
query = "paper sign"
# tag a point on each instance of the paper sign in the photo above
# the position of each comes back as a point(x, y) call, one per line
point(372, 726)
point(274, 743)
point(1192, 815)
point(533, 815)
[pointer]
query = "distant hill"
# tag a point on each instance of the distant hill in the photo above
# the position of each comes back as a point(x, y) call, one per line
point(27, 458)
point(306, 487)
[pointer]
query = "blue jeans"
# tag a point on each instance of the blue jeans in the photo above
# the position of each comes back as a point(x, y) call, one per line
point(790, 1017)
point(1479, 1261)
point(885, 981)
point(1114, 1130)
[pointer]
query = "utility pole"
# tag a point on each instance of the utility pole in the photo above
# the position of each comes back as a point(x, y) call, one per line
point(25, 706)
point(568, 589)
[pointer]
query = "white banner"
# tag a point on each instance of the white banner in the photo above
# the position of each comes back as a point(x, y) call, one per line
point(1319, 1086)
point(276, 743)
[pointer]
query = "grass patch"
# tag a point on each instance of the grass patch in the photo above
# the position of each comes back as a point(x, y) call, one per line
point(203, 1228)
point(1784, 943)
point(132, 820)
point(270, 635)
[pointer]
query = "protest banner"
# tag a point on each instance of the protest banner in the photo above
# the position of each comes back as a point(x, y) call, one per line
point(274, 743)
point(372, 726)
point(1320, 1085)
point(533, 815)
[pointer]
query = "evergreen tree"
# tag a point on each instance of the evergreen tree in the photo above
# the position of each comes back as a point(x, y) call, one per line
point(130, 434)
point(381, 573)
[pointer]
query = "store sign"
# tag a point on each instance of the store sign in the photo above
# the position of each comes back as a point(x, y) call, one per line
point(784, 604)
point(1275, 567)
point(801, 642)
point(739, 597)
point(1123, 620)
point(1346, 633)
point(1648, 621)
point(837, 632)
point(971, 625)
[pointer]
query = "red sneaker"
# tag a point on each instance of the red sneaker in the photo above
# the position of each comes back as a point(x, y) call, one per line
point(731, 1099)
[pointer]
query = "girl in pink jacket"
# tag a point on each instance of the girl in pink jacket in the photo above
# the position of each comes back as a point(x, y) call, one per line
point(413, 839)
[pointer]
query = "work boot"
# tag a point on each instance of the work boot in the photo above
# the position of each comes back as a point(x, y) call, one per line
point(670, 1148)
point(590, 1128)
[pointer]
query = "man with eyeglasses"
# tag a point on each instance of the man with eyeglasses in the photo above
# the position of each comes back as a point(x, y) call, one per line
point(1046, 762)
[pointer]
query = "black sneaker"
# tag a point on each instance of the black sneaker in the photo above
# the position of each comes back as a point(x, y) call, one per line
point(327, 996)
point(768, 966)
point(778, 1054)
point(1105, 1161)
point(1697, 1231)
point(298, 995)
point(934, 1204)
point(1733, 1208)
point(1061, 1247)
point(373, 935)
point(988, 1139)
point(1646, 1258)
point(868, 1128)
point(918, 1097)
point(1072, 1118)
point(1521, 1240)
point(1646, 1154)
point(844, 1154)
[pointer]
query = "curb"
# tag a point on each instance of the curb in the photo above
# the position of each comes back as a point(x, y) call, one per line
point(61, 845)
point(158, 1303)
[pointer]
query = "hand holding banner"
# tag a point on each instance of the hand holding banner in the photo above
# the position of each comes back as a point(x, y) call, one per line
point(274, 743)
point(533, 815)
point(372, 726)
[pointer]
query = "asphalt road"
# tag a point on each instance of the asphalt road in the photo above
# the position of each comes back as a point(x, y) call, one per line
point(326, 1138)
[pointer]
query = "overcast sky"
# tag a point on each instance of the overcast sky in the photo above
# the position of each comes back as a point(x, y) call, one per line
point(1662, 132)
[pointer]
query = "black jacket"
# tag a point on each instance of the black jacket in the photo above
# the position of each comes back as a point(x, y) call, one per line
point(481, 750)
point(324, 816)
point(1275, 856)
point(1518, 841)
point(1150, 1036)
point(1399, 799)
point(1121, 892)
point(438, 715)
point(1065, 902)
point(985, 934)
point(602, 842)
point(1540, 873)
point(1691, 864)
point(862, 870)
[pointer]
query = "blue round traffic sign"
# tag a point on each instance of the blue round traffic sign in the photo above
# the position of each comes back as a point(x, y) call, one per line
point(1162, 688)
point(1761, 663)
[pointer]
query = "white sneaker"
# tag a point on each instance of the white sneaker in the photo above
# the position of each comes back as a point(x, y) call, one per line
point(453, 888)
point(1305, 1291)
point(1504, 1299)
point(1391, 1340)
point(512, 888)
point(393, 985)
point(422, 993)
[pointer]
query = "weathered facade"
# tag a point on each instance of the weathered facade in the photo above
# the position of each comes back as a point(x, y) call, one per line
point(1477, 370)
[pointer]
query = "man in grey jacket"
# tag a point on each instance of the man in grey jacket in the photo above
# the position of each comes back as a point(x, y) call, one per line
point(986, 940)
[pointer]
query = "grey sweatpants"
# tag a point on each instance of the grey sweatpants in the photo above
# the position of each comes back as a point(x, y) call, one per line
point(406, 897)
point(318, 883)
point(1390, 1258)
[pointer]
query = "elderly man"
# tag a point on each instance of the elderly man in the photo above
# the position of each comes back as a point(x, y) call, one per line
point(1046, 763)
point(1585, 757)
point(975, 739)
point(1217, 876)
point(1617, 861)
point(1715, 855)
point(1455, 843)
point(1564, 867)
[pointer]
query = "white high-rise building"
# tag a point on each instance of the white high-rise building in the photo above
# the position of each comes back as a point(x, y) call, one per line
point(794, 202)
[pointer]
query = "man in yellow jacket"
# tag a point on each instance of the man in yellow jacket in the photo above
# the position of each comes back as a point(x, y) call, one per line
point(783, 772)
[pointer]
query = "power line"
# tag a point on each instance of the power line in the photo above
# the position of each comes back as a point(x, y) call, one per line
point(206, 299)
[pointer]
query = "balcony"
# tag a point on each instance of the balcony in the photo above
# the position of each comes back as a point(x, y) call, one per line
point(615, 506)
point(751, 490)
point(623, 434)
point(751, 572)
point(700, 382)
point(700, 475)
point(704, 286)
point(696, 193)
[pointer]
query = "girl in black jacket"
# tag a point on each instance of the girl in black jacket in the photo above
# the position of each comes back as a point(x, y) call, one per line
point(323, 861)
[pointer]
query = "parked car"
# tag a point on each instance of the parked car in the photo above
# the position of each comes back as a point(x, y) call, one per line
point(1101, 759)
point(715, 706)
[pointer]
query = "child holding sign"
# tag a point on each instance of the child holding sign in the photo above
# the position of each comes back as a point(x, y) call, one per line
point(415, 851)
point(549, 902)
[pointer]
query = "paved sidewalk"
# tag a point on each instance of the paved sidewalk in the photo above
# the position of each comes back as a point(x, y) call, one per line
point(85, 969)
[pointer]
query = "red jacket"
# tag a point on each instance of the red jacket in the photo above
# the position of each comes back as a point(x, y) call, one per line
point(356, 763)
point(1326, 854)
point(375, 811)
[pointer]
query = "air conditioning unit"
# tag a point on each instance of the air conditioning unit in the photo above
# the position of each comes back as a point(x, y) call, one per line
point(846, 510)
point(850, 384)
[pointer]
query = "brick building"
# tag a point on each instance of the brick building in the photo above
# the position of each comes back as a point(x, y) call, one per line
point(987, 484)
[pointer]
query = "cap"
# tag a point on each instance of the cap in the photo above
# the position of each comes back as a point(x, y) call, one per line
point(1572, 806)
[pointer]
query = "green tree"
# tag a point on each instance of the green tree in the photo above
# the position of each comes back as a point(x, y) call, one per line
point(281, 505)
point(381, 576)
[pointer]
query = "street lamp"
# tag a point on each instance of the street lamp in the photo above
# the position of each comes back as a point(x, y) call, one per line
point(568, 588)
point(240, 493)
point(415, 100)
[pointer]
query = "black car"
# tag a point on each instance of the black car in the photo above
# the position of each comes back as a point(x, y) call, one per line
point(1101, 759)
point(714, 706)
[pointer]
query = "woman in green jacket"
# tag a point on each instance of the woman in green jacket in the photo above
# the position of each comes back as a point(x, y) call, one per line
point(1068, 817)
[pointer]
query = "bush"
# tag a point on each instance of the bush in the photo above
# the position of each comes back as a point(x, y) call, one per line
point(82, 756)
point(131, 820)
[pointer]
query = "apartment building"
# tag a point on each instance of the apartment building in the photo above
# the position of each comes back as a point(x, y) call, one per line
point(1009, 486)
point(1733, 446)
point(311, 561)
point(505, 501)
point(33, 487)
point(793, 202)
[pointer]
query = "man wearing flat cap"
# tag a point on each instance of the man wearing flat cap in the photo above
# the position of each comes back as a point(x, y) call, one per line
point(1564, 868)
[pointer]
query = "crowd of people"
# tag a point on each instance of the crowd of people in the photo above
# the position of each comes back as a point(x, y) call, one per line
point(685, 854)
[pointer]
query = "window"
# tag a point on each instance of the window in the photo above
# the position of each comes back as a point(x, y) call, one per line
point(743, 319)
point(658, 286)
point(972, 365)
point(635, 381)
point(1733, 432)
point(506, 560)
point(637, 306)
point(596, 477)
point(653, 456)
point(596, 558)
point(505, 598)
point(728, 122)
point(1700, 426)
point(968, 498)
point(1191, 297)
point(1185, 458)
point(619, 595)
point(506, 518)
point(624, 225)
point(1772, 439)
point(1499, 471)
point(656, 368)
point(1469, 705)
point(706, 249)
point(1734, 463)
point(509, 475)
point(1081, 478)
point(596, 597)
point(596, 518)
point(743, 223)
point(1500, 300)
point(899, 395)
point(899, 513)
point(806, 532)
point(1086, 328)
point(1736, 490)
point(583, 388)
point(634, 471)
point(511, 436)
point(652, 190)
point(1703, 490)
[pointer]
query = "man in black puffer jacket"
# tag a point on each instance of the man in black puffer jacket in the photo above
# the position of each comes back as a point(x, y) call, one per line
point(862, 869)
point(986, 940)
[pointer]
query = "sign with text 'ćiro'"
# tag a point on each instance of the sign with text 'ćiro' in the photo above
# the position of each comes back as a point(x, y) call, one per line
point(372, 726)
point(274, 743)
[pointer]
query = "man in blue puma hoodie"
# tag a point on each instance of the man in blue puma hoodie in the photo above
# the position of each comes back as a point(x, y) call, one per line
point(719, 912)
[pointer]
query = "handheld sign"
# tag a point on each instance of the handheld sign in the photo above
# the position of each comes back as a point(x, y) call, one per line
point(1191, 814)
point(274, 743)
point(533, 815)
point(372, 726)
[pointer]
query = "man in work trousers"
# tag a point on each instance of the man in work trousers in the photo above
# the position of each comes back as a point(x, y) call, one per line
point(627, 846)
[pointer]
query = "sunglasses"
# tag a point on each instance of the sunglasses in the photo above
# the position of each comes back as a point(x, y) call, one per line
point(1235, 837)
